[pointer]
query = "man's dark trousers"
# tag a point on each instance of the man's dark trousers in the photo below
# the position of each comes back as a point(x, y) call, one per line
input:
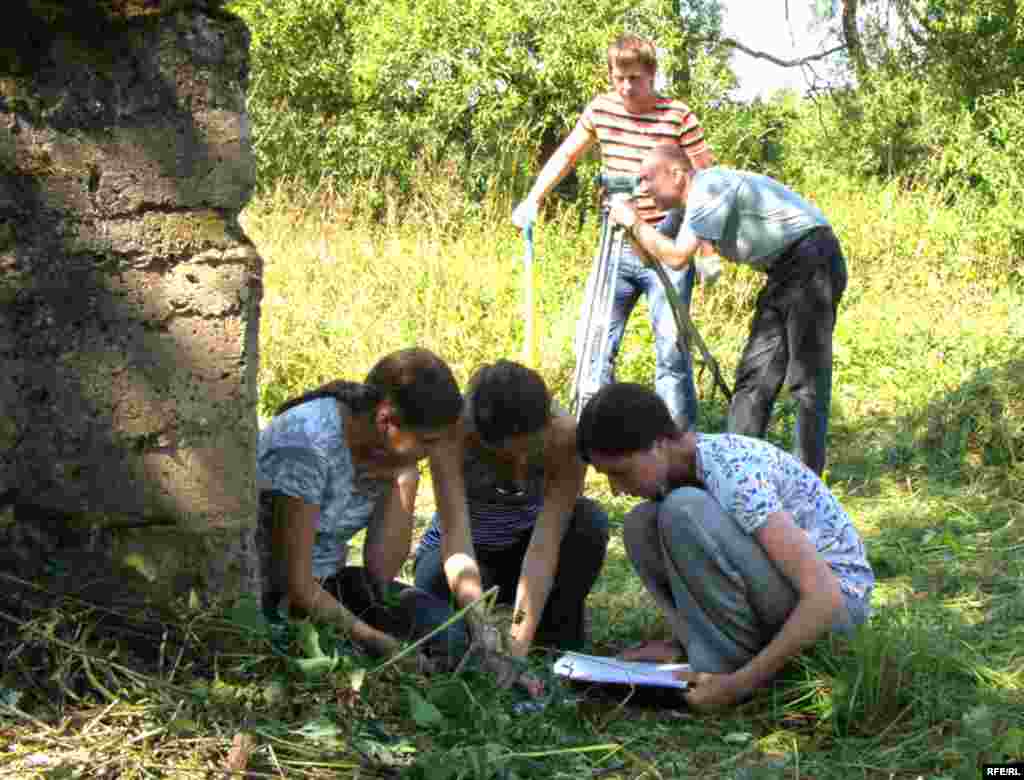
point(791, 341)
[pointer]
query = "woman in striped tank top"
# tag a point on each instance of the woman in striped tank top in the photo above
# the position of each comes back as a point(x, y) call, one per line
point(523, 480)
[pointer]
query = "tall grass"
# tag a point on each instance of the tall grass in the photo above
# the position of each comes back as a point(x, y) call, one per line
point(343, 286)
point(925, 452)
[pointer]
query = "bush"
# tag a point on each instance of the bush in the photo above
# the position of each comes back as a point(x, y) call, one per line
point(360, 90)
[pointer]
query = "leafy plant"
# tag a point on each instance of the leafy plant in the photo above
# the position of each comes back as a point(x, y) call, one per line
point(361, 90)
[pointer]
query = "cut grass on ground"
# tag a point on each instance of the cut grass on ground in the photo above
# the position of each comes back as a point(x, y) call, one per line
point(926, 453)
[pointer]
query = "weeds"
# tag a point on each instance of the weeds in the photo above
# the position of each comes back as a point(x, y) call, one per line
point(926, 446)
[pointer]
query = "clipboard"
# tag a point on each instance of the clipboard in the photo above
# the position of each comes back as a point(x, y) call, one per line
point(580, 667)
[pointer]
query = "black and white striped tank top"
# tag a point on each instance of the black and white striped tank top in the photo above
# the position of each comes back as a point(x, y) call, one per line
point(502, 510)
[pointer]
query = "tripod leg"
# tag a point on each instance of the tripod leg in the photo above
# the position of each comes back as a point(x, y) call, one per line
point(592, 351)
point(687, 332)
point(588, 320)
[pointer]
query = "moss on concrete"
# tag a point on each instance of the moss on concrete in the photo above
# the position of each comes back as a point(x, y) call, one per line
point(181, 232)
point(97, 143)
point(10, 285)
point(8, 150)
point(8, 433)
point(6, 237)
point(32, 27)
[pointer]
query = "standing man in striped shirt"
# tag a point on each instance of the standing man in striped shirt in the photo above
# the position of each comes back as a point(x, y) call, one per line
point(628, 122)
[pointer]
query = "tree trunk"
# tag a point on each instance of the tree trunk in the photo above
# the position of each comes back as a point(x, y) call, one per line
point(852, 38)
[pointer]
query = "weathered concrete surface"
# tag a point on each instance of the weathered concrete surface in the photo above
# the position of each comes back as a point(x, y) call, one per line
point(129, 295)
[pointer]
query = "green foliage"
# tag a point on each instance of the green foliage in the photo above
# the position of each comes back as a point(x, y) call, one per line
point(423, 712)
point(374, 92)
point(898, 660)
point(299, 94)
point(921, 108)
point(873, 132)
point(947, 39)
point(937, 44)
point(247, 615)
point(363, 89)
point(900, 134)
point(315, 663)
point(981, 423)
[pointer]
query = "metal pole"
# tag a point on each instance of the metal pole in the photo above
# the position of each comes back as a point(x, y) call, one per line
point(592, 346)
point(529, 332)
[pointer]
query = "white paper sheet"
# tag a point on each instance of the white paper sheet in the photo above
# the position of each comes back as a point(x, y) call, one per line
point(600, 669)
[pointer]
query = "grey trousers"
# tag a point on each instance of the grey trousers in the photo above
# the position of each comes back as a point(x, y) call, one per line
point(722, 596)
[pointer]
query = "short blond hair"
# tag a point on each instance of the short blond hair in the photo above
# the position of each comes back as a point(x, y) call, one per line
point(631, 49)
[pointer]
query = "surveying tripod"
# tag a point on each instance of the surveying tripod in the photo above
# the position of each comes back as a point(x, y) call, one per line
point(592, 341)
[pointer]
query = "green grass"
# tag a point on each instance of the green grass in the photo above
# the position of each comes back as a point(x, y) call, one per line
point(926, 450)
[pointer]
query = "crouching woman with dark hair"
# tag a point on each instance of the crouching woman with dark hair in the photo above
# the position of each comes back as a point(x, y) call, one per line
point(534, 535)
point(340, 459)
point(745, 550)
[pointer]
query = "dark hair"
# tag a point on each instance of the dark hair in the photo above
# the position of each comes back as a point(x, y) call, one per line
point(622, 418)
point(507, 399)
point(415, 380)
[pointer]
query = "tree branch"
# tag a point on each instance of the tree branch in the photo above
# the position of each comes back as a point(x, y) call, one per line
point(794, 63)
point(852, 38)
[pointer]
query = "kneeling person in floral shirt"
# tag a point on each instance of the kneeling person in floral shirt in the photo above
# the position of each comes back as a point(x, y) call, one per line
point(745, 550)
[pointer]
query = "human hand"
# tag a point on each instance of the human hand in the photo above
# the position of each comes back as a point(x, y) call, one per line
point(708, 691)
point(502, 656)
point(509, 670)
point(417, 663)
point(622, 212)
point(534, 686)
point(518, 649)
point(387, 647)
point(525, 213)
point(709, 267)
point(505, 669)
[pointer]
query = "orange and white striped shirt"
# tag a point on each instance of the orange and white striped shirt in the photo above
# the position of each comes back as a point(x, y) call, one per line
point(625, 138)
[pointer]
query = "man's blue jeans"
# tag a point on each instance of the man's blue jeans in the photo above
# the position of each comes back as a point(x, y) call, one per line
point(673, 369)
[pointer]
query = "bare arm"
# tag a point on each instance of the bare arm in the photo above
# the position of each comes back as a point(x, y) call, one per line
point(460, 565)
point(819, 600)
point(295, 524)
point(561, 162)
point(675, 253)
point(563, 483)
point(389, 535)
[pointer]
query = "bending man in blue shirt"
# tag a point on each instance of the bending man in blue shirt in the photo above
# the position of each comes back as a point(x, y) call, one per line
point(753, 219)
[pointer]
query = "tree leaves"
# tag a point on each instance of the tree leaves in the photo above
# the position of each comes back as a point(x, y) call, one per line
point(352, 89)
point(246, 614)
point(422, 711)
point(316, 664)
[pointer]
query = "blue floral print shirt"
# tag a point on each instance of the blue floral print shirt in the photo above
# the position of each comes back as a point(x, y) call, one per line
point(751, 479)
point(303, 453)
